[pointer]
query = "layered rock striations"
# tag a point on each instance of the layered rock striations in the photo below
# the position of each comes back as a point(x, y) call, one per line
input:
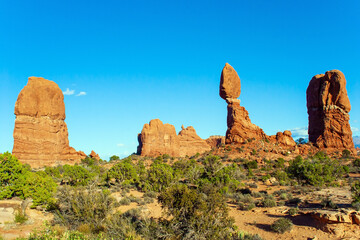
point(40, 133)
point(328, 109)
point(157, 139)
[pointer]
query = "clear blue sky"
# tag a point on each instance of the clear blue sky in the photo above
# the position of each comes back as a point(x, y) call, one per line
point(140, 60)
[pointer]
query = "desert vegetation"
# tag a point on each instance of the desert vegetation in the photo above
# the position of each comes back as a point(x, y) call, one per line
point(194, 193)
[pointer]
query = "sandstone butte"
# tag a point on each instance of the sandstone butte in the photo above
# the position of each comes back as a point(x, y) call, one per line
point(240, 127)
point(328, 108)
point(157, 139)
point(40, 133)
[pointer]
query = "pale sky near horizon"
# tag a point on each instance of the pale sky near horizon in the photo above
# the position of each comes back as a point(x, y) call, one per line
point(122, 63)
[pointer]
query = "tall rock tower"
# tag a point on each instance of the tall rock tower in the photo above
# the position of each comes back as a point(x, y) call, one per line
point(239, 124)
point(40, 133)
point(328, 108)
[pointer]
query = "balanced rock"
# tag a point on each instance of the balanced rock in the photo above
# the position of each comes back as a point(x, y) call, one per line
point(328, 108)
point(239, 124)
point(40, 133)
point(230, 86)
point(157, 139)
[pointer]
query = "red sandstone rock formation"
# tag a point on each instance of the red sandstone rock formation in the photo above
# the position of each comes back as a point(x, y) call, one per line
point(284, 139)
point(239, 124)
point(230, 86)
point(240, 128)
point(40, 133)
point(215, 141)
point(157, 139)
point(191, 143)
point(94, 155)
point(328, 108)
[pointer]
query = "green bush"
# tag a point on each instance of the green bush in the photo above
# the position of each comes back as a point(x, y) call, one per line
point(160, 176)
point(318, 171)
point(196, 215)
point(76, 175)
point(251, 165)
point(20, 217)
point(124, 172)
point(355, 189)
point(83, 206)
point(282, 225)
point(17, 180)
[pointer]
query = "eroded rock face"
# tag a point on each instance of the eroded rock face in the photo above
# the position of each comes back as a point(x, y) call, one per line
point(215, 141)
point(328, 108)
point(191, 143)
point(240, 127)
point(94, 155)
point(285, 139)
point(40, 133)
point(157, 139)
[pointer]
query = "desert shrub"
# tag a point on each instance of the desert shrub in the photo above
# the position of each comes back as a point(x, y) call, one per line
point(83, 205)
point(114, 157)
point(49, 232)
point(317, 172)
point(160, 176)
point(129, 225)
point(356, 162)
point(12, 176)
point(124, 172)
point(356, 206)
point(241, 235)
point(251, 165)
point(252, 185)
point(40, 187)
point(20, 217)
point(346, 153)
point(293, 211)
point(196, 215)
point(283, 196)
point(268, 202)
point(279, 163)
point(328, 203)
point(17, 180)
point(76, 175)
point(125, 201)
point(54, 172)
point(294, 201)
point(282, 225)
point(355, 189)
point(150, 194)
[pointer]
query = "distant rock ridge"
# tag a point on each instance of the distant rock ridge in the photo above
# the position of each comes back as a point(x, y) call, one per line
point(240, 128)
point(40, 133)
point(157, 139)
point(328, 108)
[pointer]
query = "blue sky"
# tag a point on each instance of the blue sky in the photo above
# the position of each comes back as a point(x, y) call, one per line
point(134, 61)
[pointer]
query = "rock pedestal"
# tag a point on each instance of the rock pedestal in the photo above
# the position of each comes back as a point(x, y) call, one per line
point(328, 108)
point(40, 133)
